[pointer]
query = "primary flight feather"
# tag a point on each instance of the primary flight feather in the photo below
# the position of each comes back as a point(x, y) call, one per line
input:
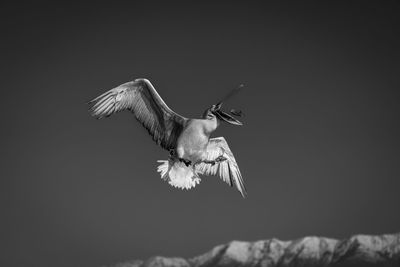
point(192, 151)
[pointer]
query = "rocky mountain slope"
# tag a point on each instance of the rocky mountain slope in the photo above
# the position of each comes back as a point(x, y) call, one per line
point(360, 250)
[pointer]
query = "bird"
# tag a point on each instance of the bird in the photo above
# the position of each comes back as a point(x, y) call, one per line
point(192, 150)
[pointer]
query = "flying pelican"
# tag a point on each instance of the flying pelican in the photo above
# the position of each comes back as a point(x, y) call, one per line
point(192, 151)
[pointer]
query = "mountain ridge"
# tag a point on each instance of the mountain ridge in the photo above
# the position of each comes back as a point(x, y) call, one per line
point(358, 250)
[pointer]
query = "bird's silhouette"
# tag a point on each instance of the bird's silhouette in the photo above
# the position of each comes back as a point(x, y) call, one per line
point(192, 151)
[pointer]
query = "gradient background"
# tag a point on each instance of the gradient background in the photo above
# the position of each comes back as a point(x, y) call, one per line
point(319, 151)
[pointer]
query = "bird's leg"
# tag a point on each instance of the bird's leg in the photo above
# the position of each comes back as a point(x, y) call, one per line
point(172, 153)
point(212, 162)
point(217, 160)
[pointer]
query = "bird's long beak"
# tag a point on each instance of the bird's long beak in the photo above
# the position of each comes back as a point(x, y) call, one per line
point(225, 116)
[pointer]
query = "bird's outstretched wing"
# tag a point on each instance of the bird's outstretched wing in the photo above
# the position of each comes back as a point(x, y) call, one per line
point(228, 170)
point(140, 97)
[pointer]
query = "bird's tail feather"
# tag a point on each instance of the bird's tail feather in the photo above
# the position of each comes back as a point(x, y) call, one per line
point(178, 174)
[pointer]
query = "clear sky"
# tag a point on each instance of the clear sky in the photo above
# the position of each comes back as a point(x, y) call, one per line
point(319, 151)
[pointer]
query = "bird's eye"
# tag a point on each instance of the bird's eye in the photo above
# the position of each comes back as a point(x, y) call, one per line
point(210, 115)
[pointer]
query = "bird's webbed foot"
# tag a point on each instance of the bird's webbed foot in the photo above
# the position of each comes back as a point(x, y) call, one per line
point(187, 162)
point(220, 159)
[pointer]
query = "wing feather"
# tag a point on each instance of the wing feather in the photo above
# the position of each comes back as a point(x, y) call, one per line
point(227, 170)
point(140, 97)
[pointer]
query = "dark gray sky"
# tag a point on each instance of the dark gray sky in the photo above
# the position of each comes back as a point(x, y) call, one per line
point(319, 151)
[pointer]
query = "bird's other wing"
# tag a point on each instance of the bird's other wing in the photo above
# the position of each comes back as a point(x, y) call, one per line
point(228, 170)
point(140, 97)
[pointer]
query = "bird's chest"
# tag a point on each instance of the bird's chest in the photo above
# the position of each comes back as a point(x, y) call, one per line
point(192, 143)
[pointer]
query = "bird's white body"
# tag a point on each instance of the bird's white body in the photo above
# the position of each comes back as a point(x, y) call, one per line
point(192, 147)
point(193, 141)
point(192, 151)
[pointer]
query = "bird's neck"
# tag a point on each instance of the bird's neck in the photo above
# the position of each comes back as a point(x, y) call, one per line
point(210, 126)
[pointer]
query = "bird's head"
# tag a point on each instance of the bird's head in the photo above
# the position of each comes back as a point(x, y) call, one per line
point(215, 112)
